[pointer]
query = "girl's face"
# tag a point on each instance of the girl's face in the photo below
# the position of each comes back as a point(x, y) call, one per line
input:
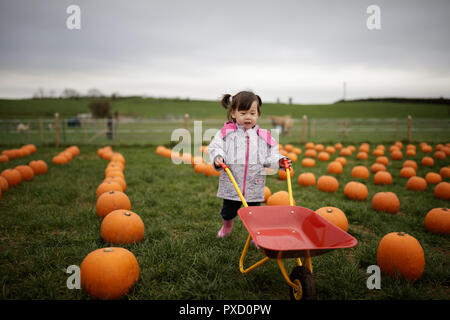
point(246, 118)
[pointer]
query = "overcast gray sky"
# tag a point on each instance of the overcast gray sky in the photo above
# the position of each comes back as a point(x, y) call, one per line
point(203, 49)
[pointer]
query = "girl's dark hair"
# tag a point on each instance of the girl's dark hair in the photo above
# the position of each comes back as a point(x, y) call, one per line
point(241, 101)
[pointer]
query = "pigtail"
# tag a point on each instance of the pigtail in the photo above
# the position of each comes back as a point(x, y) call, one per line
point(226, 100)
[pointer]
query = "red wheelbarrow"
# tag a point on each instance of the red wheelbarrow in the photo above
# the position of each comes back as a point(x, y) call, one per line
point(290, 232)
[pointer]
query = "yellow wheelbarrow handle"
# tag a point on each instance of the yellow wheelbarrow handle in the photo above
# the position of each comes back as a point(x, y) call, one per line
point(227, 170)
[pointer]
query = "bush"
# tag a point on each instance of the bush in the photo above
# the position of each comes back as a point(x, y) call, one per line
point(100, 108)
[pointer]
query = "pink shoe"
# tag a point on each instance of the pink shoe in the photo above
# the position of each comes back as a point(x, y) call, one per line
point(226, 229)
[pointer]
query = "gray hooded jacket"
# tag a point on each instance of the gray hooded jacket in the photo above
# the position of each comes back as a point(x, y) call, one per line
point(247, 153)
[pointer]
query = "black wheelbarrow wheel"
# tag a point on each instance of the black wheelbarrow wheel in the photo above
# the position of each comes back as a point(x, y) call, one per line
point(303, 278)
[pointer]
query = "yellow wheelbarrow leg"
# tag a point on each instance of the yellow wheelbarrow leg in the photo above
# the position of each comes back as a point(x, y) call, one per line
point(244, 253)
point(284, 273)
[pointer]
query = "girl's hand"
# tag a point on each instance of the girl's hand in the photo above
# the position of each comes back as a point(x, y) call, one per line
point(218, 161)
point(282, 164)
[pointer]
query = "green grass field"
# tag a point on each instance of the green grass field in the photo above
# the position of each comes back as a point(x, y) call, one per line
point(50, 223)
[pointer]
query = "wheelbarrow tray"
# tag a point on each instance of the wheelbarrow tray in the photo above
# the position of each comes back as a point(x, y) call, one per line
point(291, 231)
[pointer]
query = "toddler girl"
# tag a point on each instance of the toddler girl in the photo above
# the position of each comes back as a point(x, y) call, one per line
point(247, 150)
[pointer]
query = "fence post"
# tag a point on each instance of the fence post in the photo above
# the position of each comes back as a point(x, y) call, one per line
point(313, 128)
point(409, 128)
point(116, 124)
point(57, 129)
point(304, 125)
point(186, 121)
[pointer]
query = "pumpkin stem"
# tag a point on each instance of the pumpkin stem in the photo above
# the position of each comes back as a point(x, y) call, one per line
point(111, 191)
point(127, 213)
point(108, 250)
point(329, 210)
point(401, 233)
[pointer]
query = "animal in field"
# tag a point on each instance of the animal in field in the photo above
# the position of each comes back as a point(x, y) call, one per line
point(284, 122)
point(23, 128)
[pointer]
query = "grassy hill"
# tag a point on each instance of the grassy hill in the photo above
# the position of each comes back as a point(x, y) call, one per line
point(163, 108)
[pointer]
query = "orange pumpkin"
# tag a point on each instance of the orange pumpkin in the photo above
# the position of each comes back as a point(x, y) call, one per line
point(200, 168)
point(308, 162)
point(26, 172)
point(442, 191)
point(59, 159)
point(13, 177)
point(74, 150)
point(197, 160)
point(280, 198)
point(433, 178)
point(115, 173)
point(377, 167)
point(108, 186)
point(306, 179)
point(416, 183)
point(323, 156)
point(211, 171)
point(382, 160)
point(122, 227)
point(362, 155)
point(297, 151)
point(292, 156)
point(116, 156)
point(109, 273)
point(410, 152)
point(4, 158)
point(399, 253)
point(360, 172)
point(396, 155)
point(110, 201)
point(440, 155)
point(319, 147)
point(427, 162)
point(330, 150)
point(335, 216)
point(119, 180)
point(364, 147)
point(437, 221)
point(386, 202)
point(342, 160)
point(345, 152)
point(445, 172)
point(38, 166)
point(427, 149)
point(160, 150)
point(382, 177)
point(378, 152)
point(327, 184)
point(356, 190)
point(288, 147)
point(267, 193)
point(3, 184)
point(335, 167)
point(283, 175)
point(410, 163)
point(310, 153)
point(338, 146)
point(407, 172)
point(309, 145)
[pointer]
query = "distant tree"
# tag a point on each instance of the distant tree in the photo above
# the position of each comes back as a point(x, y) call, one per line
point(100, 108)
point(115, 96)
point(39, 94)
point(94, 93)
point(69, 93)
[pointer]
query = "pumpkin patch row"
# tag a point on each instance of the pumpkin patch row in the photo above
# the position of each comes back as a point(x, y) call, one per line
point(13, 177)
point(109, 273)
point(21, 152)
point(66, 156)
